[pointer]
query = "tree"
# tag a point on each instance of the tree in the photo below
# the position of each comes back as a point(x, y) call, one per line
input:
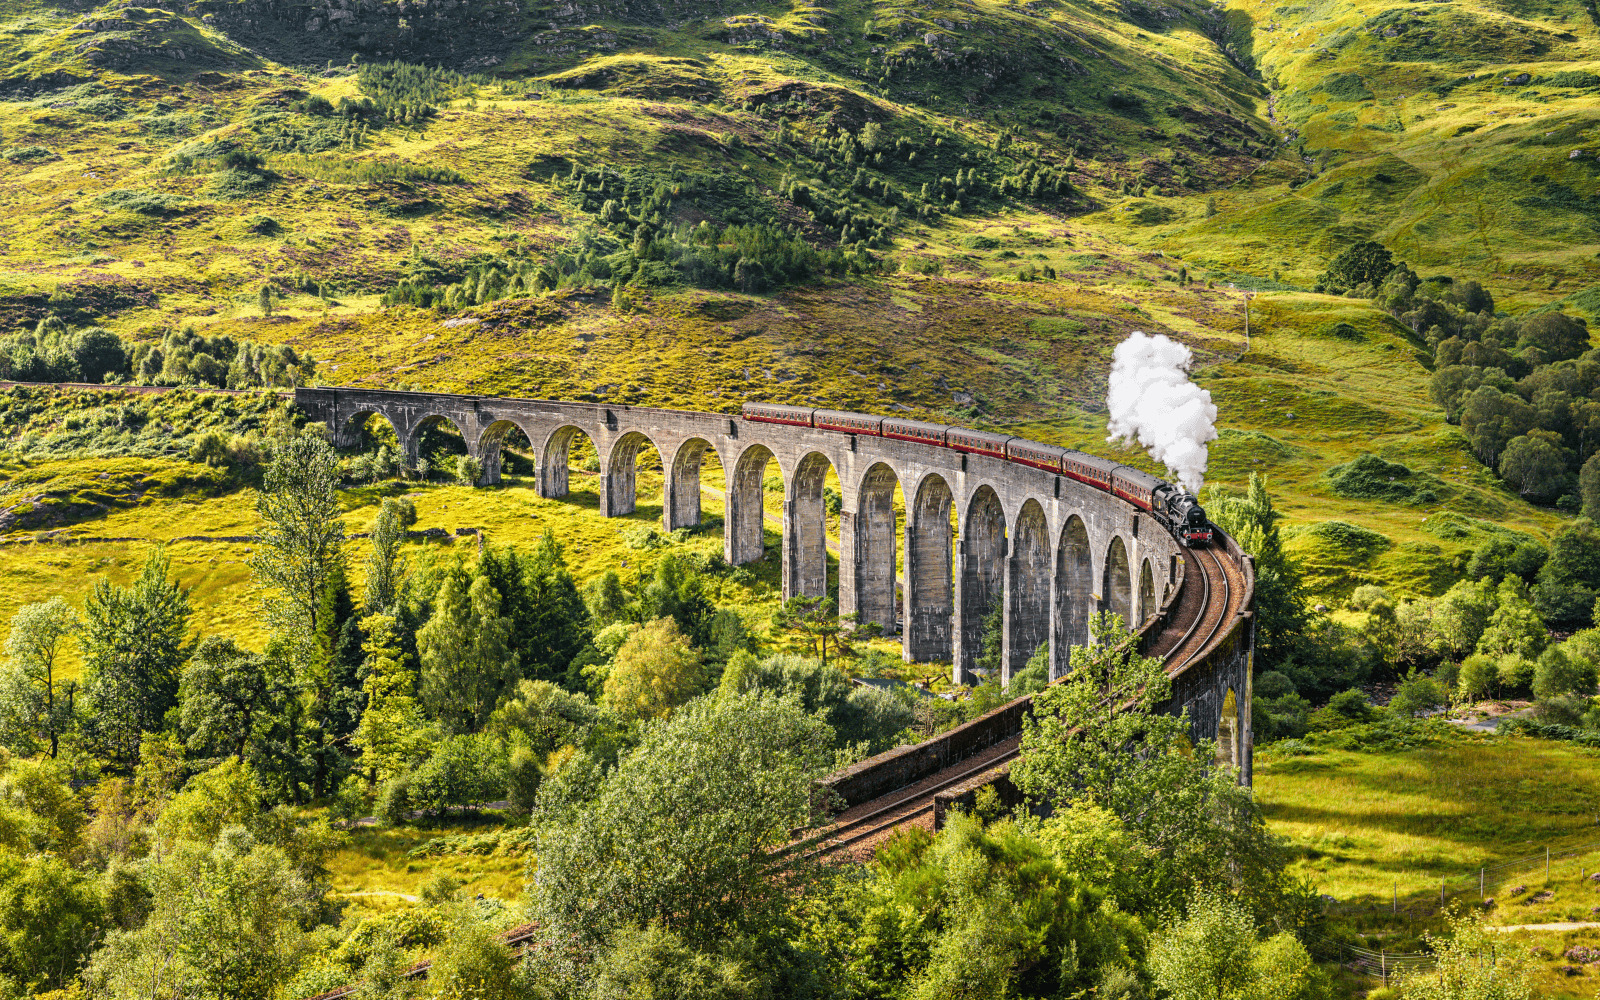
point(1360, 264)
point(1515, 627)
point(473, 963)
point(1589, 486)
point(34, 708)
point(1461, 615)
point(1252, 520)
point(225, 925)
point(682, 831)
point(1418, 693)
point(813, 626)
point(1172, 795)
point(392, 733)
point(984, 911)
point(1559, 336)
point(873, 137)
point(224, 692)
point(655, 670)
point(1535, 464)
point(654, 964)
point(301, 539)
point(386, 568)
point(1470, 964)
point(134, 641)
point(466, 656)
point(1213, 954)
point(1491, 418)
point(264, 299)
point(1557, 673)
point(550, 622)
point(51, 917)
point(1570, 577)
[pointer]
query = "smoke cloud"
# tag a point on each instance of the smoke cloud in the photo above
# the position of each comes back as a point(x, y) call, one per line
point(1152, 401)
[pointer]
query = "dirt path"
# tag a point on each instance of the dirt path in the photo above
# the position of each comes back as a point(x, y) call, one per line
point(1566, 925)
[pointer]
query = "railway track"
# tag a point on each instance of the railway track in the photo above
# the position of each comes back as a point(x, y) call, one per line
point(878, 816)
point(1221, 588)
point(1218, 595)
point(517, 937)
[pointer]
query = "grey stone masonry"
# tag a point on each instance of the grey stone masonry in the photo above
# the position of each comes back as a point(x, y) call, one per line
point(975, 530)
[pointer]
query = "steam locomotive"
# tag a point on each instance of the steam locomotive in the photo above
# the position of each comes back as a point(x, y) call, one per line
point(1179, 511)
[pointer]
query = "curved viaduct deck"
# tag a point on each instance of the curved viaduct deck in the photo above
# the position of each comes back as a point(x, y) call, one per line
point(1053, 550)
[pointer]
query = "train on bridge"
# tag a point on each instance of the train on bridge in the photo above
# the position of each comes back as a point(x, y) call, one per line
point(1176, 509)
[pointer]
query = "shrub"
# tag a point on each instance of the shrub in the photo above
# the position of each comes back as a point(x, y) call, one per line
point(1369, 477)
point(28, 154)
point(142, 201)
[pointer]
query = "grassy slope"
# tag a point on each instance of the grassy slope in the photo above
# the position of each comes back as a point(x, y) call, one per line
point(1374, 830)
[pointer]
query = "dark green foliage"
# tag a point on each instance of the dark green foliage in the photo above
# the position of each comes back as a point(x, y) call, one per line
point(1350, 538)
point(143, 201)
point(461, 771)
point(412, 89)
point(28, 154)
point(1570, 578)
point(50, 354)
point(134, 641)
point(1361, 264)
point(1369, 477)
point(44, 423)
point(1575, 78)
point(1503, 553)
point(1345, 87)
point(550, 623)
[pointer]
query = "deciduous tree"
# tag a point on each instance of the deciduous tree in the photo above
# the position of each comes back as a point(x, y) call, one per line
point(36, 708)
point(134, 642)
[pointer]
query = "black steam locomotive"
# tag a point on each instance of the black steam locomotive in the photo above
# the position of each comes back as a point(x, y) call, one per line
point(1179, 511)
point(1185, 517)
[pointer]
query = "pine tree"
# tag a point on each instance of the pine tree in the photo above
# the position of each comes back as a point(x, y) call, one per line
point(392, 733)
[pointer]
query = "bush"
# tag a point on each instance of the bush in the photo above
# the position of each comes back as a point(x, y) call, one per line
point(142, 201)
point(1369, 477)
point(656, 964)
point(27, 154)
point(1418, 693)
point(461, 771)
point(393, 807)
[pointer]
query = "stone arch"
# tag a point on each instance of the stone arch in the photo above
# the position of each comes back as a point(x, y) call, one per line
point(983, 562)
point(875, 537)
point(805, 529)
point(1116, 585)
point(1074, 599)
point(555, 460)
point(348, 433)
point(411, 444)
point(1228, 730)
point(497, 436)
point(680, 494)
point(929, 590)
point(618, 490)
point(1027, 625)
point(1147, 592)
point(745, 509)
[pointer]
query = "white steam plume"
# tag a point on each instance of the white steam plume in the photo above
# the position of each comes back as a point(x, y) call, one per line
point(1152, 400)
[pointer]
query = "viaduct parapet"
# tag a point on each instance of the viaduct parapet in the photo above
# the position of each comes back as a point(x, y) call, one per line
point(975, 530)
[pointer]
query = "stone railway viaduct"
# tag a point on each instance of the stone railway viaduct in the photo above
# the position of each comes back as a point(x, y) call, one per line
point(1055, 549)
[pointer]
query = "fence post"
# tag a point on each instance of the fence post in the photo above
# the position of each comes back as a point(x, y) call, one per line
point(1394, 903)
point(1480, 885)
point(1383, 967)
point(1441, 894)
point(1547, 864)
